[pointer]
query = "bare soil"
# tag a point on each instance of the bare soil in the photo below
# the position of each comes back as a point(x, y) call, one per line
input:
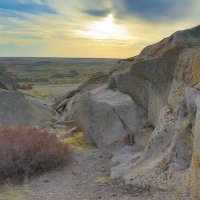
point(86, 177)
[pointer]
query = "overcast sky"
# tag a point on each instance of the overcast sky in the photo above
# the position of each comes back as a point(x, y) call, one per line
point(90, 28)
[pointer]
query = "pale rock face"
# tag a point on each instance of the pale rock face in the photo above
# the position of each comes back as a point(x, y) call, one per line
point(148, 82)
point(109, 118)
point(160, 89)
point(156, 154)
point(123, 159)
point(16, 110)
point(187, 73)
point(193, 102)
point(148, 78)
point(170, 157)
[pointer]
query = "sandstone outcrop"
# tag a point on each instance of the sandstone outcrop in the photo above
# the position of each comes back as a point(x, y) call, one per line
point(159, 90)
point(16, 110)
point(109, 118)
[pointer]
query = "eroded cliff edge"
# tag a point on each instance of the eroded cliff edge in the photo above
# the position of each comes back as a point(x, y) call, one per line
point(147, 114)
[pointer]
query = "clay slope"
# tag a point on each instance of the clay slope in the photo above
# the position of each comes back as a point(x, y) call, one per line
point(151, 103)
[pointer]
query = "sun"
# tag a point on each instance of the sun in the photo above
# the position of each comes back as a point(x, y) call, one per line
point(106, 29)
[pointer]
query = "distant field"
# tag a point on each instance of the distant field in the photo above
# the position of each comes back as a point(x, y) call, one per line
point(55, 70)
point(46, 93)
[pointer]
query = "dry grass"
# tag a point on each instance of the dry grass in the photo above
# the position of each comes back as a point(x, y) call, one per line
point(27, 151)
point(10, 192)
point(77, 140)
point(102, 180)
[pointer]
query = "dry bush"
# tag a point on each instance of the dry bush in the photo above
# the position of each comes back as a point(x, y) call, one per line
point(25, 86)
point(69, 125)
point(27, 151)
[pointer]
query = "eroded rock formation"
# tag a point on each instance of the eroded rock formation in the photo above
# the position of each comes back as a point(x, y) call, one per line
point(16, 110)
point(159, 90)
point(7, 82)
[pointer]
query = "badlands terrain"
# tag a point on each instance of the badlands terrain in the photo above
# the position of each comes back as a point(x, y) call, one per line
point(135, 132)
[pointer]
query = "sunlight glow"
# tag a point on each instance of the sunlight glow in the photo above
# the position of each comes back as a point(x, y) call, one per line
point(106, 29)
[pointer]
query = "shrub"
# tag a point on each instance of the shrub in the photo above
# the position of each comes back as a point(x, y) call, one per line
point(27, 151)
point(25, 86)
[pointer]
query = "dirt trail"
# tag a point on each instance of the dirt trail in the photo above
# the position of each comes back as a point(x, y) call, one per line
point(87, 178)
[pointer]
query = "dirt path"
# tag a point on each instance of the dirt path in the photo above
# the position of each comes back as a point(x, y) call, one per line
point(87, 178)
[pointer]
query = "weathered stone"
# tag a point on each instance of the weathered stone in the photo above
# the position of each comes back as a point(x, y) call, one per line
point(71, 132)
point(108, 118)
point(7, 82)
point(158, 88)
point(60, 122)
point(90, 84)
point(15, 109)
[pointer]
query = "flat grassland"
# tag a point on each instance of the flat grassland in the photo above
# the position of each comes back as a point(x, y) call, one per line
point(56, 70)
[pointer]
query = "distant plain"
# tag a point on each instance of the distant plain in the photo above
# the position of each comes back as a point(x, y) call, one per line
point(56, 70)
point(51, 77)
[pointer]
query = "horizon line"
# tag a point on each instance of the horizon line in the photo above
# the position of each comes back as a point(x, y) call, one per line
point(61, 57)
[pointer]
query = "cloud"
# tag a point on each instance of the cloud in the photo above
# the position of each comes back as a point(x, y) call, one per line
point(28, 6)
point(149, 10)
point(153, 10)
point(97, 12)
point(77, 27)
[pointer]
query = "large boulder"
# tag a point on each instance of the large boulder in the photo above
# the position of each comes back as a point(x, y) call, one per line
point(110, 119)
point(95, 81)
point(16, 110)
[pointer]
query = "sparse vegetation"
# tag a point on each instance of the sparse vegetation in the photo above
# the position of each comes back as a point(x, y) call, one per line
point(78, 140)
point(28, 151)
point(37, 92)
point(25, 86)
point(102, 180)
point(55, 70)
point(11, 192)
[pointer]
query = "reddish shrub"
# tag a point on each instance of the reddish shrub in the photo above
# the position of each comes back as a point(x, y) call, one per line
point(69, 125)
point(25, 86)
point(27, 151)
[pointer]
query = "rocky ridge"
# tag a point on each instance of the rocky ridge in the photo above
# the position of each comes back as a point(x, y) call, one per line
point(147, 115)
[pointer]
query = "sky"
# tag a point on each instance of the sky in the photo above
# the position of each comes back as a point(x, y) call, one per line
point(90, 28)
